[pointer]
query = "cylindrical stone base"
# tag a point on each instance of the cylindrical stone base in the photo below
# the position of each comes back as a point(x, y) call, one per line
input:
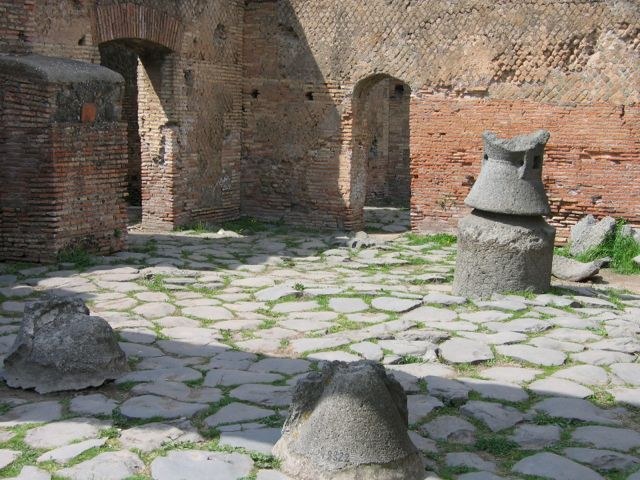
point(500, 253)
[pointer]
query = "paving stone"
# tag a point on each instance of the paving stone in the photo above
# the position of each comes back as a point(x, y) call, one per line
point(152, 296)
point(496, 390)
point(629, 373)
point(32, 473)
point(601, 357)
point(57, 434)
point(260, 440)
point(552, 344)
point(304, 345)
point(450, 429)
point(334, 356)
point(140, 351)
point(607, 437)
point(238, 377)
point(535, 355)
point(106, 466)
point(285, 366)
point(420, 406)
point(430, 315)
point(479, 476)
point(347, 305)
point(292, 307)
point(407, 347)
point(602, 459)
point(232, 360)
point(168, 322)
point(152, 436)
point(521, 325)
point(198, 302)
point(7, 457)
point(500, 338)
point(573, 322)
point(208, 313)
point(584, 374)
point(151, 406)
point(536, 437)
point(184, 349)
point(443, 299)
point(629, 396)
point(625, 345)
point(195, 464)
point(368, 350)
point(555, 467)
point(394, 304)
point(573, 335)
point(181, 374)
point(496, 416)
point(68, 452)
point(510, 374)
point(237, 413)
point(178, 391)
point(559, 387)
point(576, 409)
point(447, 390)
point(513, 304)
point(459, 350)
point(267, 395)
point(469, 460)
point(272, 294)
point(485, 316)
point(40, 412)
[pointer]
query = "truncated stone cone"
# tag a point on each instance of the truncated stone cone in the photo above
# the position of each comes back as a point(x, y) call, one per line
point(349, 423)
point(503, 253)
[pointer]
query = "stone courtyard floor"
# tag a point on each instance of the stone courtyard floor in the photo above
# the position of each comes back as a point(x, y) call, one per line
point(218, 327)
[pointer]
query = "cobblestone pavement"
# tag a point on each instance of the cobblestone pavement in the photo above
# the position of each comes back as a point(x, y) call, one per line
point(218, 327)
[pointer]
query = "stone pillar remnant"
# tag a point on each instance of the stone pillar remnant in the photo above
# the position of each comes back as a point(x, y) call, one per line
point(349, 422)
point(505, 245)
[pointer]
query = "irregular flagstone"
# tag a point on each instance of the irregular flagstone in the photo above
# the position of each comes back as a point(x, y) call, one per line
point(576, 409)
point(443, 299)
point(368, 350)
point(521, 325)
point(423, 444)
point(68, 452)
point(150, 406)
point(334, 356)
point(237, 413)
point(559, 387)
point(292, 307)
point(31, 413)
point(420, 406)
point(238, 377)
point(573, 335)
point(275, 293)
point(607, 437)
point(32, 473)
point(180, 374)
point(430, 315)
point(629, 396)
point(479, 476)
point(347, 305)
point(504, 304)
point(450, 429)
point(303, 345)
point(496, 416)
point(208, 313)
point(459, 350)
point(394, 304)
point(57, 434)
point(193, 464)
point(629, 373)
point(584, 374)
point(552, 344)
point(286, 366)
point(7, 457)
point(497, 390)
point(106, 466)
point(268, 395)
point(535, 355)
point(624, 345)
point(469, 460)
point(447, 390)
point(152, 436)
point(259, 440)
point(406, 347)
point(178, 391)
point(500, 338)
point(602, 459)
point(510, 374)
point(232, 360)
point(409, 375)
point(601, 357)
point(485, 316)
point(185, 349)
point(555, 467)
point(536, 437)
point(138, 350)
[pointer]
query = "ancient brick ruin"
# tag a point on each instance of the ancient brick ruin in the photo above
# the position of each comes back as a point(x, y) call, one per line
point(308, 110)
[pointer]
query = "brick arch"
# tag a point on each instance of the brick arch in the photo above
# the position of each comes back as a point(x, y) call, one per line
point(132, 21)
point(357, 135)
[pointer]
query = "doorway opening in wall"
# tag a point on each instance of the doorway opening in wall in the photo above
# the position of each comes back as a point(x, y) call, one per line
point(381, 131)
point(141, 64)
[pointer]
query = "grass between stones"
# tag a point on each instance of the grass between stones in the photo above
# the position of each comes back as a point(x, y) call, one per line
point(439, 240)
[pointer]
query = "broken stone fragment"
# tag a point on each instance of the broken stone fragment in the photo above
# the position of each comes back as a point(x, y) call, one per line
point(349, 422)
point(588, 233)
point(568, 269)
point(61, 347)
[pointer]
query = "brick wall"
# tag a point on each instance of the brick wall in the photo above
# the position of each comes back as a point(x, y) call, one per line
point(16, 25)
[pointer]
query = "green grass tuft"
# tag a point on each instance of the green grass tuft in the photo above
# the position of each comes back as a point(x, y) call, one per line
point(438, 240)
point(620, 248)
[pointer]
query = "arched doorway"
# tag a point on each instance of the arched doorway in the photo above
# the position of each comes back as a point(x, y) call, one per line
point(144, 64)
point(381, 178)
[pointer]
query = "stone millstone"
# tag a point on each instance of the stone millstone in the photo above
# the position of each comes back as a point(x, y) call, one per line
point(503, 253)
point(349, 423)
point(61, 347)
